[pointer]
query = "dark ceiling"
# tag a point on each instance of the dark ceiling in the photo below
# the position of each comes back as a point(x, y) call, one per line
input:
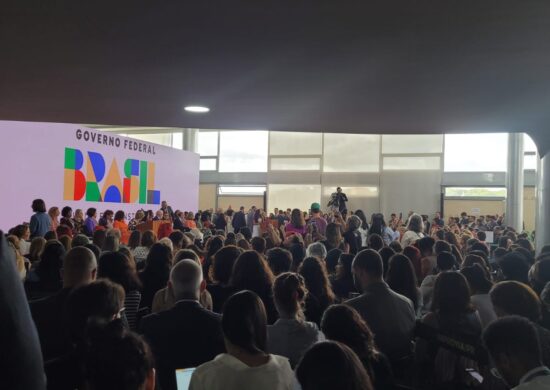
point(399, 66)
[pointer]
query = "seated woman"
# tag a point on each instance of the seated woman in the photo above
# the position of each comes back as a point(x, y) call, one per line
point(342, 283)
point(221, 270)
point(344, 324)
point(332, 365)
point(479, 288)
point(246, 365)
point(453, 315)
point(291, 335)
point(320, 295)
point(251, 272)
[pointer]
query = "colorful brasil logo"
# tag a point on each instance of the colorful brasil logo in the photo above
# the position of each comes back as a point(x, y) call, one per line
point(136, 187)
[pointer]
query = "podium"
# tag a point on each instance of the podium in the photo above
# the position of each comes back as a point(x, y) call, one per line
point(151, 225)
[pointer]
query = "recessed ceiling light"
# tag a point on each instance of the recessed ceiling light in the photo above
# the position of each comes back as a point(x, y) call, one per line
point(197, 109)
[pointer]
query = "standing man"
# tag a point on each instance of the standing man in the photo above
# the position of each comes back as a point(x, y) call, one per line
point(317, 219)
point(338, 201)
point(250, 218)
point(239, 220)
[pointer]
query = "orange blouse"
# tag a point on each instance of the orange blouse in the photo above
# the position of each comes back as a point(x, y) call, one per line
point(124, 232)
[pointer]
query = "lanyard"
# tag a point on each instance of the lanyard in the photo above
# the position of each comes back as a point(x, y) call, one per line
point(543, 371)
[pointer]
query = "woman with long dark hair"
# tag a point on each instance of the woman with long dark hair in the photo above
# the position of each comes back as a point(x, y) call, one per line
point(332, 365)
point(320, 294)
point(402, 279)
point(118, 268)
point(251, 272)
point(378, 226)
point(297, 224)
point(451, 313)
point(342, 283)
point(156, 272)
point(246, 365)
point(344, 324)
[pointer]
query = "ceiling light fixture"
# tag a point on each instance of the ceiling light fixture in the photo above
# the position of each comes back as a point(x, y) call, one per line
point(197, 109)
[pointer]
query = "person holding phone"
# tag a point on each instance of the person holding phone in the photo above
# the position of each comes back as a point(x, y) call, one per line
point(338, 201)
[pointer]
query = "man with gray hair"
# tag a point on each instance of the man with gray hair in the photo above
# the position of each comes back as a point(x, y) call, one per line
point(79, 267)
point(187, 335)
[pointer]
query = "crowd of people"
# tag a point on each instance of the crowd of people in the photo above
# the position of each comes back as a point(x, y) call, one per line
point(287, 299)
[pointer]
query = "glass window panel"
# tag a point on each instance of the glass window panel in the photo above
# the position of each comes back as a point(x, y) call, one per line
point(417, 143)
point(208, 143)
point(476, 152)
point(411, 163)
point(353, 192)
point(351, 153)
point(158, 138)
point(241, 190)
point(530, 162)
point(476, 192)
point(243, 151)
point(295, 164)
point(287, 143)
point(528, 144)
point(300, 196)
point(207, 164)
point(177, 140)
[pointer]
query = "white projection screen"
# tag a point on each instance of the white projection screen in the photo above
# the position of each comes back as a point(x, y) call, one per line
point(71, 165)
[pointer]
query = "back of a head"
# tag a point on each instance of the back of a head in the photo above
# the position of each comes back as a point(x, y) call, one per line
point(442, 246)
point(451, 295)
point(250, 272)
point(135, 239)
point(186, 278)
point(396, 246)
point(345, 265)
point(515, 298)
point(514, 267)
point(245, 231)
point(375, 242)
point(258, 244)
point(344, 324)
point(111, 244)
point(79, 265)
point(477, 279)
point(415, 223)
point(97, 302)
point(117, 359)
point(289, 292)
point(425, 245)
point(513, 338)
point(116, 267)
point(330, 365)
point(148, 238)
point(279, 260)
point(317, 249)
point(186, 254)
point(445, 261)
point(315, 274)
point(159, 259)
point(369, 261)
point(244, 322)
point(479, 246)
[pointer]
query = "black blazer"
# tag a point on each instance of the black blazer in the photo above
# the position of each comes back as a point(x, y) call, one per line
point(185, 336)
point(239, 221)
point(49, 315)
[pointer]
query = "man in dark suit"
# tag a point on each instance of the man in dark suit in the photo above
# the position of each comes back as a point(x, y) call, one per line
point(79, 267)
point(186, 335)
point(239, 220)
point(389, 315)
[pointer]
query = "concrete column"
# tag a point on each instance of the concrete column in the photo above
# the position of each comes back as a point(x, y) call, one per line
point(542, 230)
point(191, 140)
point(514, 182)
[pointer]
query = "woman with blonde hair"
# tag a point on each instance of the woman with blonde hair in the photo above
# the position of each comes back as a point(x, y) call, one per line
point(291, 335)
point(54, 214)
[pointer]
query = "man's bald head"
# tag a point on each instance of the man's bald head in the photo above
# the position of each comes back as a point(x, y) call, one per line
point(79, 267)
point(186, 280)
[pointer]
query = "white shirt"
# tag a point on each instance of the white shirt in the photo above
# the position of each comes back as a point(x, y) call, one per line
point(410, 238)
point(226, 372)
point(291, 338)
point(536, 379)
